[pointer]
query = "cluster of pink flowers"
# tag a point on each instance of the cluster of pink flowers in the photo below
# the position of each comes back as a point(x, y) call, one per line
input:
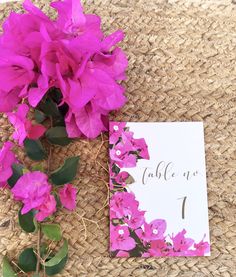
point(130, 233)
point(125, 150)
point(32, 188)
point(70, 53)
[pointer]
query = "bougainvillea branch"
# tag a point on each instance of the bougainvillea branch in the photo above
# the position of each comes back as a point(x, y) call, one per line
point(59, 79)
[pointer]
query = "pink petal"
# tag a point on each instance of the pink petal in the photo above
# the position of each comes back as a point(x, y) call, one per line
point(89, 122)
point(36, 131)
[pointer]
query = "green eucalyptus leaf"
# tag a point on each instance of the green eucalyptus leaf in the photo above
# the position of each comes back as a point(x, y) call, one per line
point(58, 135)
point(34, 149)
point(66, 173)
point(28, 260)
point(27, 221)
point(52, 270)
point(61, 254)
point(52, 231)
point(17, 172)
point(39, 116)
point(7, 270)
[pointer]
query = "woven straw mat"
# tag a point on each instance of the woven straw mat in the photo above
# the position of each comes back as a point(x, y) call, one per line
point(182, 57)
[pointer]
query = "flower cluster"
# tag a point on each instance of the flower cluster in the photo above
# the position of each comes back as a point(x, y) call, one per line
point(125, 150)
point(70, 53)
point(33, 188)
point(130, 233)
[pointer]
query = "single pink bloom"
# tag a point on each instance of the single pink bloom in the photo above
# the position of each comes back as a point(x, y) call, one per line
point(201, 248)
point(24, 127)
point(47, 208)
point(158, 248)
point(142, 148)
point(115, 131)
point(7, 158)
point(121, 177)
point(123, 204)
point(67, 196)
point(120, 154)
point(136, 219)
point(180, 243)
point(152, 231)
point(32, 189)
point(120, 238)
point(122, 254)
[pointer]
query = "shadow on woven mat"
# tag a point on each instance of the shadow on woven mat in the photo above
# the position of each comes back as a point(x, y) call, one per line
point(182, 67)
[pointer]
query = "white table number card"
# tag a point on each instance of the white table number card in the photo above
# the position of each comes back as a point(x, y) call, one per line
point(158, 190)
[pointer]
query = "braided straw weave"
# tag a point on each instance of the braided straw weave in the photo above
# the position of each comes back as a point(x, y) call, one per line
point(182, 57)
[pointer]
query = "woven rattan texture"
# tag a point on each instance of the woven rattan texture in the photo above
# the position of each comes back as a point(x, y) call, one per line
point(182, 57)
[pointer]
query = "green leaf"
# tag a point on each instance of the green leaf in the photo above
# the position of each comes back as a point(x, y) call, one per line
point(28, 260)
point(27, 221)
point(17, 170)
point(39, 116)
point(49, 108)
point(61, 254)
point(58, 135)
point(56, 268)
point(35, 275)
point(7, 270)
point(34, 149)
point(52, 231)
point(66, 173)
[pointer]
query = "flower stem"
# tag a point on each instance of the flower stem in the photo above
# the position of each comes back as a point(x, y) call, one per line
point(38, 249)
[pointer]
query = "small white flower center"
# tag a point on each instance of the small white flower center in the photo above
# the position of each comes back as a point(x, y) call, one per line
point(118, 152)
point(115, 127)
point(155, 231)
point(121, 232)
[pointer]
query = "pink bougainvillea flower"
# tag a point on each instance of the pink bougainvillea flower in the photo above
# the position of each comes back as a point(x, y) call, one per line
point(141, 146)
point(136, 220)
point(70, 53)
point(23, 126)
point(8, 100)
point(180, 243)
point(32, 189)
point(120, 238)
point(152, 231)
point(158, 248)
point(7, 158)
point(200, 249)
point(18, 120)
point(122, 254)
point(15, 71)
point(122, 177)
point(67, 196)
point(123, 204)
point(115, 131)
point(121, 156)
point(47, 208)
